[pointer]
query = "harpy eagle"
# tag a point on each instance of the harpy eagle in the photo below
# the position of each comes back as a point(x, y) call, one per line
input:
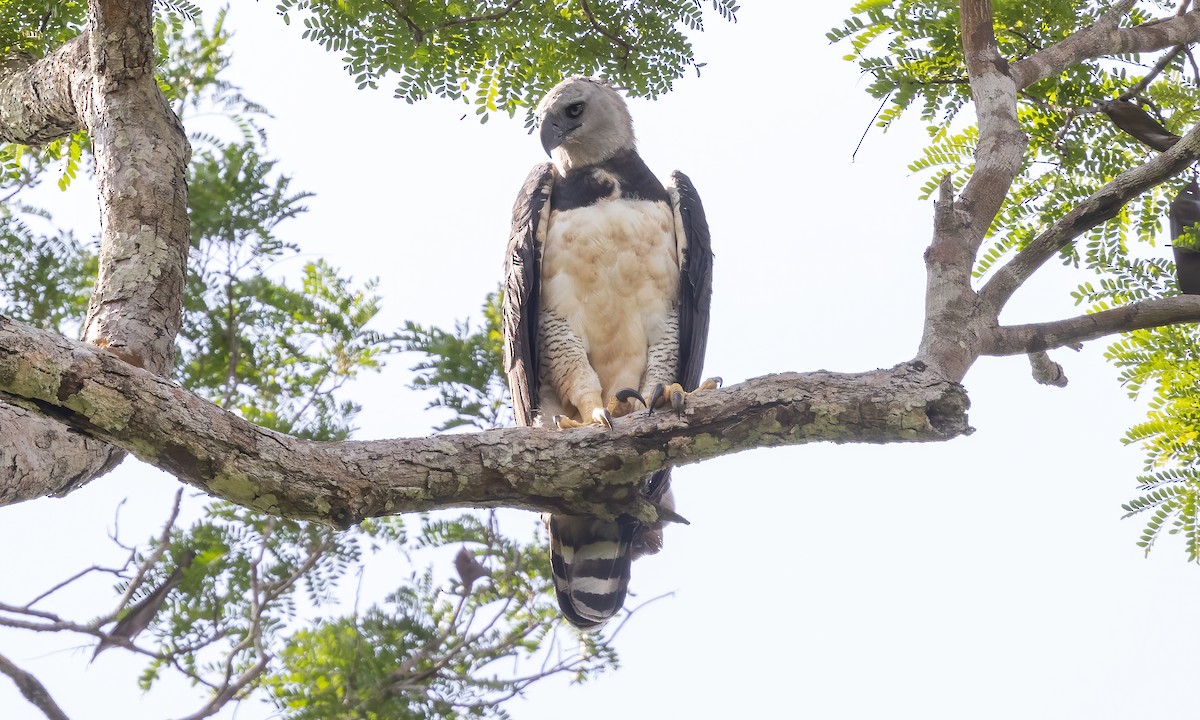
point(606, 303)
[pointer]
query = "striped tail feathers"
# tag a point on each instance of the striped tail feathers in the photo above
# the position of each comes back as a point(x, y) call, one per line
point(590, 559)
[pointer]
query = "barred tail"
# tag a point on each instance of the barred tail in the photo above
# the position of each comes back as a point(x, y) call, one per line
point(590, 559)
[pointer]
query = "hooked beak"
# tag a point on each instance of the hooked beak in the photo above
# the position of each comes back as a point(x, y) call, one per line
point(555, 130)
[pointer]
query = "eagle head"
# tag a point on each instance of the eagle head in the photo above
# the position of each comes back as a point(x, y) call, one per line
point(584, 121)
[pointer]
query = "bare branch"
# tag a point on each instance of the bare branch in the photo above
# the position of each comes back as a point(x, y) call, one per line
point(1105, 37)
point(1018, 339)
point(51, 622)
point(33, 690)
point(141, 155)
point(586, 471)
point(103, 81)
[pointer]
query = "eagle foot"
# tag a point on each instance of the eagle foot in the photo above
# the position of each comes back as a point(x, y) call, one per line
point(622, 403)
point(677, 396)
point(600, 417)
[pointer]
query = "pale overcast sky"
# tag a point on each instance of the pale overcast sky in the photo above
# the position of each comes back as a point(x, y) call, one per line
point(988, 577)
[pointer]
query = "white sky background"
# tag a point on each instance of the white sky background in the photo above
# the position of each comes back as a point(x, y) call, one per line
point(988, 577)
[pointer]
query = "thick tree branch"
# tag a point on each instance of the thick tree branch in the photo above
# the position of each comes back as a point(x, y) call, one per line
point(1036, 337)
point(947, 339)
point(1001, 147)
point(1105, 37)
point(1101, 206)
point(45, 101)
point(33, 690)
point(48, 99)
point(586, 471)
point(103, 81)
point(141, 155)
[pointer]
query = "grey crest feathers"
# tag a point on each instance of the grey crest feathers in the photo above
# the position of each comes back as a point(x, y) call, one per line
point(584, 121)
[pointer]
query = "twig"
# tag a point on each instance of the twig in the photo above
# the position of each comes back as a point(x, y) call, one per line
point(606, 33)
point(479, 18)
point(230, 690)
point(68, 581)
point(419, 33)
point(1159, 66)
point(163, 543)
point(870, 125)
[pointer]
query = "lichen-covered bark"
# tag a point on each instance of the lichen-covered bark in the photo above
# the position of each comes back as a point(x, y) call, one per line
point(103, 82)
point(141, 157)
point(586, 471)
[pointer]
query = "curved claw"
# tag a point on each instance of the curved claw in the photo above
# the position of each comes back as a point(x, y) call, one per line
point(677, 403)
point(629, 394)
point(667, 515)
point(599, 416)
point(657, 395)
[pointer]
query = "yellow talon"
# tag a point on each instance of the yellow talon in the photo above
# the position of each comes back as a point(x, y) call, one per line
point(677, 396)
point(600, 416)
point(622, 402)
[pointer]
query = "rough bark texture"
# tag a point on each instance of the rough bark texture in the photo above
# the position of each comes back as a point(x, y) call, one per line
point(48, 99)
point(140, 160)
point(141, 163)
point(103, 82)
point(585, 471)
point(949, 340)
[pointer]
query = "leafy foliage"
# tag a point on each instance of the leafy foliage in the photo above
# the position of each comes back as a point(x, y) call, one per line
point(35, 27)
point(503, 55)
point(438, 647)
point(44, 279)
point(465, 368)
point(274, 353)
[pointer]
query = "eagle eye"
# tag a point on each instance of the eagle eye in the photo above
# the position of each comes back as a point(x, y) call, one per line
point(574, 110)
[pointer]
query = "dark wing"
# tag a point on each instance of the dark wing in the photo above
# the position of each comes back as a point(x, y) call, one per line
point(695, 281)
point(522, 275)
point(1140, 124)
point(695, 296)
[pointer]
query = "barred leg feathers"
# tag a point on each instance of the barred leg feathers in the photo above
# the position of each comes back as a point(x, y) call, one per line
point(590, 559)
